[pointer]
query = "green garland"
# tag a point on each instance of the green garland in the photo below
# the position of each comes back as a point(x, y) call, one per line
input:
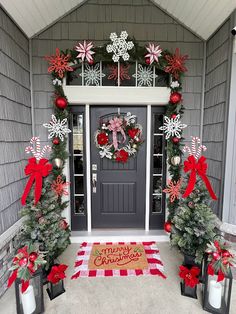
point(136, 54)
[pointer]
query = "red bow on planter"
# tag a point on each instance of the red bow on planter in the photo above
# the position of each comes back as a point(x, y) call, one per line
point(197, 167)
point(36, 171)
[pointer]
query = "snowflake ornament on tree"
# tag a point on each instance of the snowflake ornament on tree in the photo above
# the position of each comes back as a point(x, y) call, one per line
point(196, 147)
point(145, 76)
point(57, 128)
point(154, 52)
point(172, 127)
point(57, 82)
point(173, 189)
point(85, 51)
point(124, 72)
point(120, 46)
point(174, 84)
point(59, 63)
point(92, 74)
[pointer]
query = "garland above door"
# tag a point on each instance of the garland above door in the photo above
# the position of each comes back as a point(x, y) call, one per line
point(120, 51)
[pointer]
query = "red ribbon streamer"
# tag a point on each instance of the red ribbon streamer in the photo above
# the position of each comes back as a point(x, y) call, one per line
point(197, 167)
point(36, 171)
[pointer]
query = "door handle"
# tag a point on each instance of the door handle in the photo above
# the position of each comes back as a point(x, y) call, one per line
point(94, 182)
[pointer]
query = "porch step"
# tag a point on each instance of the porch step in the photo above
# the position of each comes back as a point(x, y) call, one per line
point(116, 235)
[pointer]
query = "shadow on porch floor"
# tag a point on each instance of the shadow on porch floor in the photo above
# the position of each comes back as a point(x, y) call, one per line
point(127, 295)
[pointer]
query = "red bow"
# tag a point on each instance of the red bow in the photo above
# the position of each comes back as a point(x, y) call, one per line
point(36, 171)
point(197, 167)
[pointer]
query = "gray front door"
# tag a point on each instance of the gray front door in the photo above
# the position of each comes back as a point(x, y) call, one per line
point(119, 200)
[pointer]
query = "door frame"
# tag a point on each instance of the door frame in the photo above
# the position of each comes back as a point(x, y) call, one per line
point(151, 96)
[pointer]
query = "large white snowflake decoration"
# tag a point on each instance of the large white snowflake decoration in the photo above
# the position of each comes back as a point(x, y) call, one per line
point(172, 127)
point(196, 147)
point(105, 151)
point(35, 148)
point(120, 46)
point(92, 74)
point(57, 128)
point(145, 76)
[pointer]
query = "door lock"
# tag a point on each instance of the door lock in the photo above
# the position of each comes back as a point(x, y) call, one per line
point(94, 182)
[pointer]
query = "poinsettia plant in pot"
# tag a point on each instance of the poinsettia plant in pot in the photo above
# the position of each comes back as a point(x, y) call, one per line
point(55, 280)
point(26, 272)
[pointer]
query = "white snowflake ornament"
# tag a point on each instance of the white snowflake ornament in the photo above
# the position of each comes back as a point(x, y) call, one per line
point(92, 74)
point(105, 151)
point(57, 128)
point(120, 46)
point(196, 147)
point(57, 82)
point(172, 127)
point(130, 118)
point(144, 76)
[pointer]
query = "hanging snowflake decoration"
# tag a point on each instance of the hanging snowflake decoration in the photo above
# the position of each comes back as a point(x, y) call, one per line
point(173, 189)
point(59, 63)
point(120, 46)
point(57, 82)
point(196, 147)
point(57, 128)
point(172, 127)
point(124, 72)
point(35, 149)
point(145, 76)
point(85, 51)
point(105, 151)
point(154, 52)
point(176, 64)
point(92, 74)
point(59, 187)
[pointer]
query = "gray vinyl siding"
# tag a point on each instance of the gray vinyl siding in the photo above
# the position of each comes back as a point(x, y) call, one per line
point(218, 56)
point(15, 118)
point(94, 21)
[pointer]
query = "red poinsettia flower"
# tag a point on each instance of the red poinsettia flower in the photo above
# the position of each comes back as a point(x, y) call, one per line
point(121, 155)
point(59, 63)
point(175, 64)
point(133, 132)
point(190, 276)
point(57, 273)
point(59, 187)
point(102, 138)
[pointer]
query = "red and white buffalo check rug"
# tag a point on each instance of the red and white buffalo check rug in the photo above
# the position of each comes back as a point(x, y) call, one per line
point(118, 259)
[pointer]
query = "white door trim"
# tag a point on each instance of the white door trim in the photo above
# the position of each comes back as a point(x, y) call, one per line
point(145, 96)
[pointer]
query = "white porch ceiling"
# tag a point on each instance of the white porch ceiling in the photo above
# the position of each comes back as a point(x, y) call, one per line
point(203, 17)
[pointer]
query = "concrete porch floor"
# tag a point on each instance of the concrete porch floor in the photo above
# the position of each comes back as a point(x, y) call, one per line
point(127, 295)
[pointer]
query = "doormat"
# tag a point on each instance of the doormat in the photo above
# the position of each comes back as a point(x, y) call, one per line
point(118, 259)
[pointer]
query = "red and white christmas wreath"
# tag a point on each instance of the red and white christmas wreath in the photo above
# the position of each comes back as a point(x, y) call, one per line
point(119, 138)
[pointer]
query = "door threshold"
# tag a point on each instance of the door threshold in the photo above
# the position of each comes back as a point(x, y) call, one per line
point(119, 235)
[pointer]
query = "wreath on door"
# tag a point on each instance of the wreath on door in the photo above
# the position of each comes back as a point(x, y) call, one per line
point(119, 131)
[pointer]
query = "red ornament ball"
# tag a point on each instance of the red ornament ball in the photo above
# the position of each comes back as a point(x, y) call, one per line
point(63, 224)
point(168, 226)
point(56, 141)
point(216, 255)
point(175, 97)
point(173, 116)
point(147, 61)
point(225, 254)
point(175, 140)
point(61, 102)
point(33, 256)
point(31, 267)
point(91, 62)
point(23, 261)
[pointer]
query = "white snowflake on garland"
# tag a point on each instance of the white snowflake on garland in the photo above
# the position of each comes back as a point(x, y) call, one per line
point(120, 46)
point(92, 74)
point(172, 127)
point(145, 76)
point(105, 151)
point(57, 128)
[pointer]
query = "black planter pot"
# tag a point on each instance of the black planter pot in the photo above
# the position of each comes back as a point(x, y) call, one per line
point(188, 291)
